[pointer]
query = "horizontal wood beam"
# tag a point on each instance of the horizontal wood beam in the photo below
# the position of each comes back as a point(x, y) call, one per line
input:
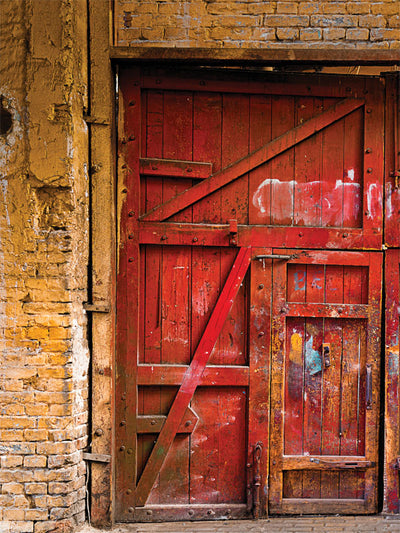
point(319, 506)
point(232, 376)
point(173, 233)
point(325, 310)
point(154, 423)
point(235, 56)
point(174, 168)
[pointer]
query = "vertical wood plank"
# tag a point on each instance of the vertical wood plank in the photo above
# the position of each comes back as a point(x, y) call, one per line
point(330, 444)
point(313, 369)
point(392, 434)
point(260, 178)
point(235, 145)
point(259, 363)
point(177, 143)
point(128, 283)
point(373, 161)
point(307, 190)
point(278, 337)
point(207, 132)
point(353, 169)
point(351, 407)
point(282, 167)
point(332, 174)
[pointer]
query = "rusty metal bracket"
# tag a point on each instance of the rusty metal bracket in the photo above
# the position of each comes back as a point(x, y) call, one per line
point(96, 457)
point(95, 120)
point(233, 232)
point(396, 175)
point(278, 257)
point(334, 464)
point(96, 308)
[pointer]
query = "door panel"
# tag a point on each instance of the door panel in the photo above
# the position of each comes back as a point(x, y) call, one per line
point(215, 171)
point(325, 378)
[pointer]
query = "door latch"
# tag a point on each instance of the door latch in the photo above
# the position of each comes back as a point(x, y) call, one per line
point(326, 352)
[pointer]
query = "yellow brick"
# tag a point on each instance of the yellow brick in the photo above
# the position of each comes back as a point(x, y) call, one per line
point(357, 34)
point(35, 488)
point(37, 332)
point(287, 34)
point(35, 434)
point(358, 8)
point(385, 8)
point(13, 488)
point(287, 7)
point(13, 514)
point(372, 21)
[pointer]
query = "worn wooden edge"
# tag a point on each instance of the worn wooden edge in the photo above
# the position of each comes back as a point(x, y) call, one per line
point(102, 155)
point(320, 506)
point(163, 513)
point(272, 56)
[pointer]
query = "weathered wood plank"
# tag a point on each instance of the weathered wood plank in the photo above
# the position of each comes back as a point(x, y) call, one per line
point(218, 375)
point(175, 168)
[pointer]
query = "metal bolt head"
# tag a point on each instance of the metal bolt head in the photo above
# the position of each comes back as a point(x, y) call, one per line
point(368, 150)
point(122, 423)
point(129, 491)
point(131, 214)
point(369, 170)
point(130, 509)
point(261, 286)
point(195, 239)
point(99, 432)
point(122, 448)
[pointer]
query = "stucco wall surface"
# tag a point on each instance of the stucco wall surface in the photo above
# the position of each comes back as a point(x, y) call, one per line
point(43, 265)
point(258, 24)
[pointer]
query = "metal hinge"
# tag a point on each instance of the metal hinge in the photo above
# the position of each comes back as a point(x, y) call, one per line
point(96, 308)
point(96, 457)
point(95, 120)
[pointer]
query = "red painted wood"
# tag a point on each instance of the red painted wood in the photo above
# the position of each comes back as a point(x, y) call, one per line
point(241, 167)
point(218, 235)
point(192, 375)
point(320, 295)
point(282, 172)
point(392, 414)
point(175, 169)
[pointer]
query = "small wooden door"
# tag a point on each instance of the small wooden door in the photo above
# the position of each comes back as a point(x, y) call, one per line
point(220, 174)
point(325, 382)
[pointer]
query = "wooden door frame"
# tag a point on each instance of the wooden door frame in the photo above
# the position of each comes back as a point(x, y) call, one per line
point(104, 240)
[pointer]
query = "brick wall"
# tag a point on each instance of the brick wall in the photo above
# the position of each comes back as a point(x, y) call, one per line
point(43, 258)
point(268, 24)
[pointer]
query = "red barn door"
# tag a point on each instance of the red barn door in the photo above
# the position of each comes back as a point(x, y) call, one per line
point(220, 175)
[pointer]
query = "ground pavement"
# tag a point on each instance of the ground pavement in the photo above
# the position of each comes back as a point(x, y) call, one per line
point(320, 524)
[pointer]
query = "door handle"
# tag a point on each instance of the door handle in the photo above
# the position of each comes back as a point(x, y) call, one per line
point(368, 391)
